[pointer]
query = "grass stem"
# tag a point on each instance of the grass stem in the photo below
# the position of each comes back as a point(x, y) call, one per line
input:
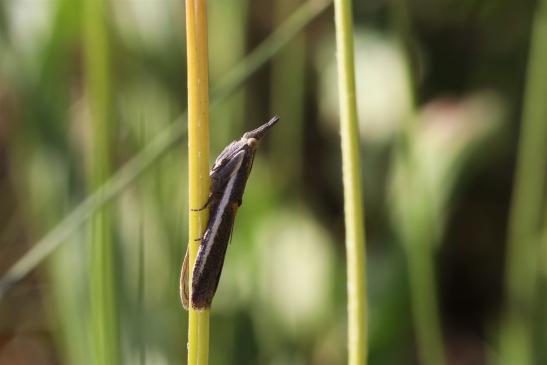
point(198, 162)
point(524, 236)
point(103, 315)
point(353, 202)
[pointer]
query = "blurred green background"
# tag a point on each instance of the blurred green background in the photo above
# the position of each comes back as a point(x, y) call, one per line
point(443, 90)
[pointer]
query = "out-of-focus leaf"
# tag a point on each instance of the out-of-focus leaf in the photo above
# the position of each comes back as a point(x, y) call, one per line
point(427, 168)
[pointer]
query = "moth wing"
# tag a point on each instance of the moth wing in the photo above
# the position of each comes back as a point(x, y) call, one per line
point(232, 223)
point(227, 155)
point(209, 265)
point(223, 173)
point(212, 250)
point(184, 285)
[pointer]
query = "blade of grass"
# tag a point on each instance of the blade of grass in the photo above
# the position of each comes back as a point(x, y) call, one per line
point(141, 318)
point(288, 80)
point(523, 249)
point(198, 163)
point(228, 39)
point(267, 49)
point(419, 245)
point(353, 201)
point(103, 311)
point(424, 297)
point(159, 146)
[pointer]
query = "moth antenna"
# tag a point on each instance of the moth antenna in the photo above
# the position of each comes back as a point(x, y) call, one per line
point(260, 131)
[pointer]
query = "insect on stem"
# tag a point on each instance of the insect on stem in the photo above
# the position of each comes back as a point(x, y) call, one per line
point(229, 176)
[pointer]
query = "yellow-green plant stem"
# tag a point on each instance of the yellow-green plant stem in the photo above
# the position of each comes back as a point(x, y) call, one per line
point(198, 162)
point(353, 202)
point(524, 242)
point(103, 317)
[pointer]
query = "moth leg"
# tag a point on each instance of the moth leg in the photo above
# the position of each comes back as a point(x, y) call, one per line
point(198, 239)
point(209, 199)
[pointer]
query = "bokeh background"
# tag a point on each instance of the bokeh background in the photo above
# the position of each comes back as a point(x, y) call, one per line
point(441, 92)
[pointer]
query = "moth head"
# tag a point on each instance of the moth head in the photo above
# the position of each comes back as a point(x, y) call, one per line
point(259, 132)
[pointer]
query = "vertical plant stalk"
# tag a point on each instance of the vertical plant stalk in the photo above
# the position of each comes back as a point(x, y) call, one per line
point(103, 316)
point(198, 162)
point(287, 95)
point(353, 202)
point(226, 48)
point(524, 236)
point(420, 245)
point(425, 311)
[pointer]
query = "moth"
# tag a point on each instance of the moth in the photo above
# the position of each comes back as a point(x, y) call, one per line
point(228, 176)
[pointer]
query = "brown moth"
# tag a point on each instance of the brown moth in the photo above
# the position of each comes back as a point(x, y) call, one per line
point(229, 176)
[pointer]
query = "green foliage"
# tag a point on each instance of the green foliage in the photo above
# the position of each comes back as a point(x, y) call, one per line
point(439, 126)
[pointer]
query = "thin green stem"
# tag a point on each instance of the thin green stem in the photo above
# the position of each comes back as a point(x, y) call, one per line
point(420, 245)
point(272, 45)
point(198, 163)
point(103, 316)
point(288, 80)
point(424, 295)
point(140, 319)
point(524, 247)
point(353, 202)
point(417, 227)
